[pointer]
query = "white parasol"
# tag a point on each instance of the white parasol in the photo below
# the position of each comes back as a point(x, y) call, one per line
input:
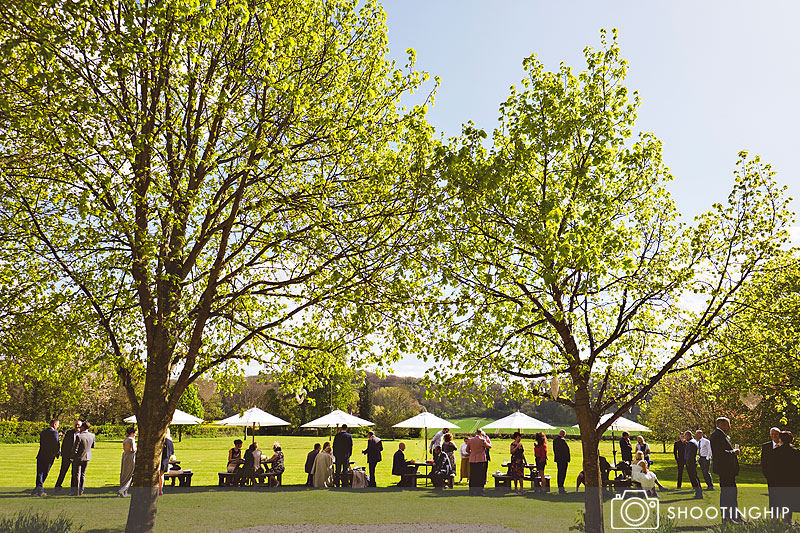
point(253, 417)
point(425, 420)
point(518, 421)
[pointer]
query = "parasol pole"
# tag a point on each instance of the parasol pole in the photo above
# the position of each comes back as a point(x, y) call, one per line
point(425, 444)
point(614, 445)
point(254, 432)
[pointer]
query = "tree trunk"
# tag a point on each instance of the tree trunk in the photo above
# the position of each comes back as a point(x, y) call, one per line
point(593, 500)
point(152, 422)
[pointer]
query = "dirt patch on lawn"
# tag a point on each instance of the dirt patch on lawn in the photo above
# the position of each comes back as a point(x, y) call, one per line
point(375, 528)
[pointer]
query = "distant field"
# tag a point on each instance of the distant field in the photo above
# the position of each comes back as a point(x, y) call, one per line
point(470, 424)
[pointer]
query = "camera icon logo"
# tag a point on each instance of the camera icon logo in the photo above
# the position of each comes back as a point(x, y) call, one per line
point(634, 510)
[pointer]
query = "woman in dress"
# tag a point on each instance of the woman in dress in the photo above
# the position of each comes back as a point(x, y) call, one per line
point(322, 471)
point(464, 461)
point(517, 467)
point(643, 447)
point(540, 456)
point(277, 463)
point(450, 449)
point(128, 461)
point(235, 456)
point(167, 452)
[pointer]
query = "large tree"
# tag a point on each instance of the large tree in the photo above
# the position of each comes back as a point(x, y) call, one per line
point(758, 352)
point(562, 258)
point(217, 181)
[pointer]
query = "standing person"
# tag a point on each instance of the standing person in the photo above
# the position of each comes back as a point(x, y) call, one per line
point(679, 453)
point(561, 456)
point(517, 467)
point(82, 454)
point(322, 471)
point(342, 450)
point(449, 448)
point(540, 456)
point(312, 455)
point(128, 461)
point(167, 451)
point(787, 493)
point(625, 447)
point(726, 466)
point(373, 453)
point(48, 452)
point(690, 458)
point(67, 444)
point(642, 446)
point(488, 441)
point(706, 455)
point(769, 467)
point(476, 448)
point(464, 461)
point(437, 439)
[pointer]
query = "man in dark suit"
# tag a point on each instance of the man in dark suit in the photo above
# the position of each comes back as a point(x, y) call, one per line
point(726, 466)
point(625, 447)
point(67, 443)
point(48, 451)
point(561, 454)
point(342, 450)
point(82, 454)
point(769, 468)
point(690, 458)
point(373, 453)
point(312, 455)
point(679, 452)
point(400, 465)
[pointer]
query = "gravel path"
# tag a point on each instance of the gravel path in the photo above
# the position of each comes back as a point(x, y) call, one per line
point(376, 528)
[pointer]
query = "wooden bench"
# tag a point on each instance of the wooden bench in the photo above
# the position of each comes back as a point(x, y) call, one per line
point(236, 479)
point(184, 478)
point(501, 480)
point(411, 479)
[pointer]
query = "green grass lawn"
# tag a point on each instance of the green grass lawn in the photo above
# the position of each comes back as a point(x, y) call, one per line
point(204, 507)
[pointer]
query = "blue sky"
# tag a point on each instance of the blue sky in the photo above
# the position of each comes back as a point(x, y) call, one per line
point(714, 77)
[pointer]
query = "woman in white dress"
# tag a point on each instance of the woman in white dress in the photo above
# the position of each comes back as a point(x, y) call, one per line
point(128, 461)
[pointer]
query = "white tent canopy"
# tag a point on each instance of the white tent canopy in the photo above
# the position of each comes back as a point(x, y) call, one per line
point(518, 421)
point(179, 418)
point(337, 418)
point(425, 420)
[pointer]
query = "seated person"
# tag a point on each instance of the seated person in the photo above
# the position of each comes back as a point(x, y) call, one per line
point(441, 469)
point(277, 462)
point(641, 473)
point(605, 469)
point(252, 462)
point(400, 465)
point(235, 456)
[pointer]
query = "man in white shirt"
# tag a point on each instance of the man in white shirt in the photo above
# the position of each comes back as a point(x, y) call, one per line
point(437, 439)
point(705, 456)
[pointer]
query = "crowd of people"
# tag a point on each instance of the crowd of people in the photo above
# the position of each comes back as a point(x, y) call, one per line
point(328, 464)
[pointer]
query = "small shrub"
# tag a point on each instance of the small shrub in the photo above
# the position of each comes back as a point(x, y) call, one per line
point(757, 526)
point(28, 522)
